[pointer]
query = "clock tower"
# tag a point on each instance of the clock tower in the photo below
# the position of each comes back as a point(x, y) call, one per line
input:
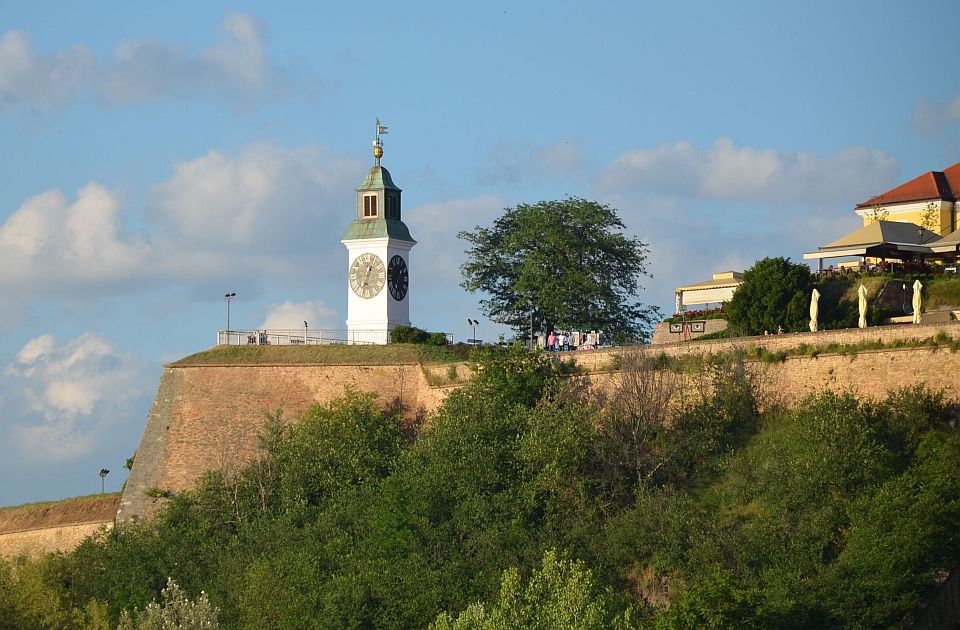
point(378, 251)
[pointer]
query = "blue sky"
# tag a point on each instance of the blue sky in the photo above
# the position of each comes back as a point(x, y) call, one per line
point(155, 158)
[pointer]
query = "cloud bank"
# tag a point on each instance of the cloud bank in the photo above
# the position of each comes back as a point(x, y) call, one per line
point(62, 397)
point(725, 171)
point(236, 69)
point(261, 212)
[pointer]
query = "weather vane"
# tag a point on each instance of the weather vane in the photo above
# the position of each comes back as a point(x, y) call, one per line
point(378, 143)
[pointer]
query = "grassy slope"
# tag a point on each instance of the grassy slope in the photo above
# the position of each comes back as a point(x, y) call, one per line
point(392, 354)
point(91, 508)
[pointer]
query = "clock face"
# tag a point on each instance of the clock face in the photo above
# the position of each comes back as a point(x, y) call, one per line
point(397, 278)
point(367, 275)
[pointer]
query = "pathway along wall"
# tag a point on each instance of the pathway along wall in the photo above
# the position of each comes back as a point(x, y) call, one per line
point(211, 417)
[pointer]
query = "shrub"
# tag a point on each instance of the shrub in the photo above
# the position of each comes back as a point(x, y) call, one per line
point(774, 292)
point(412, 334)
point(408, 334)
point(436, 339)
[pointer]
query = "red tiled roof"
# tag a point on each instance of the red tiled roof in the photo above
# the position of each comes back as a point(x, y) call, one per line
point(930, 185)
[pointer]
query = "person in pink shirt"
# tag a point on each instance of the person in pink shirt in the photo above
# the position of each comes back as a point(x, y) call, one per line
point(551, 340)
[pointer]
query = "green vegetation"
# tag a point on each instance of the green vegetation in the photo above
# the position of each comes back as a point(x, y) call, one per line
point(526, 502)
point(568, 262)
point(62, 502)
point(775, 292)
point(176, 611)
point(941, 292)
point(412, 334)
point(394, 353)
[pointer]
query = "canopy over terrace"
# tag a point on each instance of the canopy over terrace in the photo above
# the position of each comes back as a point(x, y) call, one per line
point(719, 289)
point(948, 246)
point(881, 239)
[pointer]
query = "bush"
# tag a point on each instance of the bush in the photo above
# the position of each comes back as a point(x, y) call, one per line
point(408, 334)
point(436, 339)
point(775, 292)
point(412, 334)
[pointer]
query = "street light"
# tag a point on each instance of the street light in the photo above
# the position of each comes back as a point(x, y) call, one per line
point(473, 324)
point(228, 297)
point(532, 342)
point(103, 473)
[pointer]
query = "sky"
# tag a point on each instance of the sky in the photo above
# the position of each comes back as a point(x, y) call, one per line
point(156, 156)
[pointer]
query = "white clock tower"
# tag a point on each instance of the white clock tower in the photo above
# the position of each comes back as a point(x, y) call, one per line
point(378, 248)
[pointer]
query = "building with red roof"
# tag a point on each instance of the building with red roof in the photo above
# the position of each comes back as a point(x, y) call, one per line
point(929, 200)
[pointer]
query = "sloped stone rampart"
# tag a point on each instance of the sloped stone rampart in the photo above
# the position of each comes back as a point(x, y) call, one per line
point(56, 526)
point(36, 542)
point(212, 417)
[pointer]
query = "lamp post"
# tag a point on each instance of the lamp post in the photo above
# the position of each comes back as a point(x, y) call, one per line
point(228, 297)
point(532, 341)
point(103, 473)
point(473, 324)
point(306, 329)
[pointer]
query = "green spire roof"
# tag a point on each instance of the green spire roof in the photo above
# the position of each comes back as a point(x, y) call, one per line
point(378, 178)
point(378, 228)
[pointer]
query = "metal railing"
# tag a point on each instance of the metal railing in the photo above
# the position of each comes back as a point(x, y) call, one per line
point(301, 337)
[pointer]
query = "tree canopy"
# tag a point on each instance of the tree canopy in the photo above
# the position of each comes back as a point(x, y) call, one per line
point(775, 292)
point(523, 502)
point(567, 261)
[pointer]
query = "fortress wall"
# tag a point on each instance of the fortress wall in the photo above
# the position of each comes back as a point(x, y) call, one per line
point(601, 359)
point(212, 417)
point(36, 542)
point(868, 374)
point(40, 528)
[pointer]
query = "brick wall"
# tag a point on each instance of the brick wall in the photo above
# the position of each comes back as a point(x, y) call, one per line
point(36, 542)
point(211, 417)
point(662, 334)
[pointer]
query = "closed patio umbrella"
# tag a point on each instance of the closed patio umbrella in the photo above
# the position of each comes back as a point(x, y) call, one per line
point(917, 287)
point(814, 310)
point(862, 293)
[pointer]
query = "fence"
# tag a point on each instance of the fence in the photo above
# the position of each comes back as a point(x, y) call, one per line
point(301, 337)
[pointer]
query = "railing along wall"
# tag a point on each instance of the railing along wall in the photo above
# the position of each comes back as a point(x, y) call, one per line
point(300, 337)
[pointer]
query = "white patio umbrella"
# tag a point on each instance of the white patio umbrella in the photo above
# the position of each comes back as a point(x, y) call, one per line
point(862, 293)
point(814, 310)
point(917, 287)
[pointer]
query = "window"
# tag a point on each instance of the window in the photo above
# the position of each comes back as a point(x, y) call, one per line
point(393, 207)
point(369, 206)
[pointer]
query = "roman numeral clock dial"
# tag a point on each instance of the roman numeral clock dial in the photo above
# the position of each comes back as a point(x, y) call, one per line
point(397, 278)
point(367, 275)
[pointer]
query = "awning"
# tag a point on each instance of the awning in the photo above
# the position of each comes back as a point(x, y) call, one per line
point(880, 239)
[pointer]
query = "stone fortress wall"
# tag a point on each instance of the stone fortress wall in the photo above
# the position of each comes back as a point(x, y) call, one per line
point(211, 417)
point(57, 526)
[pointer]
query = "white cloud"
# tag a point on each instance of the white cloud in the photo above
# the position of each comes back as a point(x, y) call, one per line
point(725, 171)
point(290, 316)
point(50, 242)
point(36, 348)
point(237, 69)
point(266, 213)
point(267, 197)
point(31, 80)
point(61, 397)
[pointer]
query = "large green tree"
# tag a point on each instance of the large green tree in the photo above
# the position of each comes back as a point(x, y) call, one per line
point(775, 292)
point(567, 262)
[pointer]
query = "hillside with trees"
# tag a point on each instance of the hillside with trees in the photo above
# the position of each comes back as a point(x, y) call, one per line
point(529, 501)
